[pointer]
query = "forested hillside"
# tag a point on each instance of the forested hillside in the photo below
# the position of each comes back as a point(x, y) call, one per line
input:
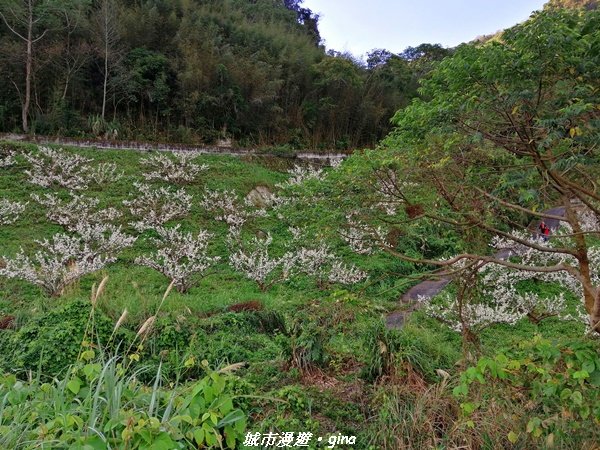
point(189, 71)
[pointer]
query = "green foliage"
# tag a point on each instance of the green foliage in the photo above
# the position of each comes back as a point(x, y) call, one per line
point(196, 72)
point(391, 353)
point(557, 382)
point(308, 342)
point(100, 405)
point(51, 341)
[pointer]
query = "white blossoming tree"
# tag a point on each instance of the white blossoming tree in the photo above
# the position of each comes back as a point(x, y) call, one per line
point(7, 158)
point(229, 208)
point(181, 257)
point(154, 207)
point(10, 211)
point(300, 174)
point(67, 257)
point(254, 260)
point(57, 168)
point(174, 167)
point(103, 174)
point(256, 263)
point(322, 264)
point(78, 209)
point(500, 282)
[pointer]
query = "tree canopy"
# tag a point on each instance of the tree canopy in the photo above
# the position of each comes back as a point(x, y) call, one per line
point(193, 71)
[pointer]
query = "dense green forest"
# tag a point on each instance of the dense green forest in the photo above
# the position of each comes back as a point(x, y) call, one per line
point(189, 71)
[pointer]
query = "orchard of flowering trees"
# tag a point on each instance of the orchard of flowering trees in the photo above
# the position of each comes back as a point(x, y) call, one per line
point(157, 213)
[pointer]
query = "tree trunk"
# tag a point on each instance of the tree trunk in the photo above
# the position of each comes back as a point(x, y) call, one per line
point(28, 66)
point(105, 66)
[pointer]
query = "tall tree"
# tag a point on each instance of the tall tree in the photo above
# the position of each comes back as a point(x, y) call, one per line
point(107, 39)
point(26, 20)
point(504, 131)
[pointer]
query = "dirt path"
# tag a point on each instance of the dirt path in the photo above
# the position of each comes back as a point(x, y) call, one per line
point(430, 288)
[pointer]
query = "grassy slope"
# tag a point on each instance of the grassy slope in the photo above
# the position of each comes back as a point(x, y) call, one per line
point(349, 317)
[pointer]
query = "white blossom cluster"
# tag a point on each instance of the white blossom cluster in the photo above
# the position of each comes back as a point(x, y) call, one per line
point(176, 168)
point(66, 258)
point(7, 159)
point(79, 209)
point(57, 168)
point(588, 222)
point(322, 264)
point(50, 168)
point(10, 211)
point(361, 237)
point(387, 190)
point(229, 208)
point(502, 302)
point(104, 173)
point(344, 274)
point(180, 256)
point(155, 207)
point(255, 262)
point(500, 281)
point(472, 316)
point(300, 174)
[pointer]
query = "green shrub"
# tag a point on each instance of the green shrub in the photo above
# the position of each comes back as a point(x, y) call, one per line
point(307, 347)
point(388, 350)
point(556, 384)
point(52, 341)
point(101, 405)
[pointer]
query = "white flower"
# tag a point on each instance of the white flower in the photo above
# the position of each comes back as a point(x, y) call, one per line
point(340, 273)
point(154, 207)
point(79, 209)
point(230, 209)
point(10, 211)
point(180, 256)
point(175, 168)
point(257, 265)
point(104, 173)
point(361, 237)
point(300, 174)
point(7, 159)
point(50, 168)
point(66, 258)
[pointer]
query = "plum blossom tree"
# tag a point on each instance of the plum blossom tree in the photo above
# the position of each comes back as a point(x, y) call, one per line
point(176, 168)
point(103, 173)
point(180, 256)
point(7, 158)
point(57, 168)
point(345, 274)
point(322, 264)
point(500, 282)
point(10, 211)
point(79, 209)
point(300, 174)
point(67, 257)
point(317, 261)
point(257, 264)
point(155, 207)
point(229, 208)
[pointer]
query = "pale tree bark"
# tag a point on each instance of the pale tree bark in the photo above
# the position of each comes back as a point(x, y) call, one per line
point(27, 20)
point(107, 38)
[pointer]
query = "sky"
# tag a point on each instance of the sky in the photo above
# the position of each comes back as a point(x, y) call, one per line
point(359, 26)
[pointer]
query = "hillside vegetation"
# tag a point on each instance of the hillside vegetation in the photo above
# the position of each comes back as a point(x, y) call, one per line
point(159, 300)
point(194, 71)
